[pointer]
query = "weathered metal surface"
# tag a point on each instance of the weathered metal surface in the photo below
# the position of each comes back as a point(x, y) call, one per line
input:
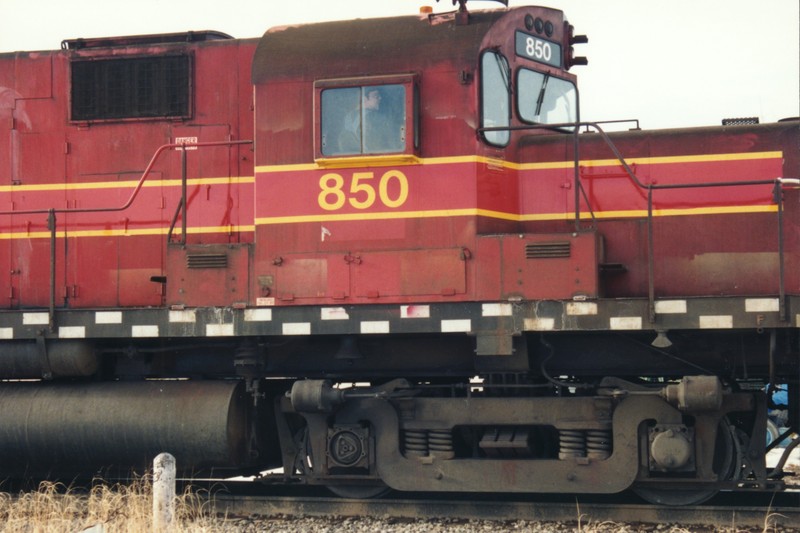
point(72, 428)
point(35, 360)
point(107, 259)
point(442, 473)
point(204, 275)
point(365, 42)
point(623, 315)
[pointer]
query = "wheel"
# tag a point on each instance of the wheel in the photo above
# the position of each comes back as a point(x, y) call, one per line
point(772, 432)
point(727, 461)
point(359, 492)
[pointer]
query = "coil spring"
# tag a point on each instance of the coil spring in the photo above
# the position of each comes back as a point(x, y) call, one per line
point(440, 443)
point(572, 443)
point(598, 443)
point(415, 443)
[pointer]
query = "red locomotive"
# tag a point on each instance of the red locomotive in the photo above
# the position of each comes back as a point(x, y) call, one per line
point(386, 254)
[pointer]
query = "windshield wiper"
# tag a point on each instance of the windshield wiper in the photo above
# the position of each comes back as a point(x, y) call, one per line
point(503, 66)
point(540, 99)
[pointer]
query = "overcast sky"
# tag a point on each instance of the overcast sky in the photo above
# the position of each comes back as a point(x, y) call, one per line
point(669, 63)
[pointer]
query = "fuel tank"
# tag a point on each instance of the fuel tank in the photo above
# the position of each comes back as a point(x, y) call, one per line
point(56, 429)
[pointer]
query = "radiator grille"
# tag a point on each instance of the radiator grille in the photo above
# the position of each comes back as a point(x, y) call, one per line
point(207, 261)
point(125, 87)
point(547, 250)
point(743, 121)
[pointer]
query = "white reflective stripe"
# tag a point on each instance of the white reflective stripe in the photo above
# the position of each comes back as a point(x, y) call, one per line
point(144, 331)
point(71, 332)
point(716, 322)
point(297, 328)
point(334, 313)
point(415, 311)
point(35, 319)
point(497, 309)
point(375, 327)
point(761, 305)
point(108, 317)
point(670, 307)
point(625, 322)
point(6, 333)
point(540, 324)
point(258, 315)
point(456, 326)
point(183, 316)
point(581, 308)
point(219, 330)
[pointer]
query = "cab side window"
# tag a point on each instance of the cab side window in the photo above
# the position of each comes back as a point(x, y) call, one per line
point(495, 98)
point(363, 120)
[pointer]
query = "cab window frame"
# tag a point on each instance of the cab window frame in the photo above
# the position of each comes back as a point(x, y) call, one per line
point(328, 121)
point(520, 109)
point(495, 112)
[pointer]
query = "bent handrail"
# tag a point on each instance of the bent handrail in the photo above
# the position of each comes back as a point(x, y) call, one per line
point(136, 189)
point(51, 212)
point(572, 128)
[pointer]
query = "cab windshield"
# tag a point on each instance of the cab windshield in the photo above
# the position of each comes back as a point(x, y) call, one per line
point(545, 99)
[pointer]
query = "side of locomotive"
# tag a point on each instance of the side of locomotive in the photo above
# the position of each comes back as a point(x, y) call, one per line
point(640, 265)
point(93, 188)
point(432, 281)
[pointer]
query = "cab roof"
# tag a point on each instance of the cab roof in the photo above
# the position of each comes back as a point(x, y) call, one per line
point(360, 47)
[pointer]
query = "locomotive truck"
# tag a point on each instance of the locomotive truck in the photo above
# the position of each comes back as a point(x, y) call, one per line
point(386, 254)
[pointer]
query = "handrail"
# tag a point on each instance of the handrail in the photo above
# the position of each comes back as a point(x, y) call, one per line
point(572, 128)
point(136, 189)
point(51, 212)
point(560, 128)
point(621, 121)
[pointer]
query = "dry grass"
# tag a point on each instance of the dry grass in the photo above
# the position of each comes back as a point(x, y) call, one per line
point(123, 508)
point(127, 508)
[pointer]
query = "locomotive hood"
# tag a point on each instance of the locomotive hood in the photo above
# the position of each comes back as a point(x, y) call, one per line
point(323, 46)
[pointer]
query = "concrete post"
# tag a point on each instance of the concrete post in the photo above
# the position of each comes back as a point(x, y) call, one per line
point(163, 492)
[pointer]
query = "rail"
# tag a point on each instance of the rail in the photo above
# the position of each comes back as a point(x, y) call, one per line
point(744, 509)
point(573, 128)
point(52, 211)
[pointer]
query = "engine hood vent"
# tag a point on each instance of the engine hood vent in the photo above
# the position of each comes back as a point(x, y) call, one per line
point(207, 261)
point(547, 250)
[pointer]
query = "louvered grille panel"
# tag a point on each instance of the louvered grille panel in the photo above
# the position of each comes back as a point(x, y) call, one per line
point(547, 250)
point(207, 261)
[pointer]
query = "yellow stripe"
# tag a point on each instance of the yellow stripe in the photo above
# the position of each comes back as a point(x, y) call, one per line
point(126, 233)
point(640, 213)
point(391, 160)
point(404, 160)
point(380, 161)
point(124, 184)
point(366, 216)
point(705, 158)
point(370, 161)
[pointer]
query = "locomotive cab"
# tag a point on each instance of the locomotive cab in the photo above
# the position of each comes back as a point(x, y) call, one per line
point(405, 208)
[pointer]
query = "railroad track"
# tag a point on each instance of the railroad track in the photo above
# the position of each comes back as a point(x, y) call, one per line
point(738, 510)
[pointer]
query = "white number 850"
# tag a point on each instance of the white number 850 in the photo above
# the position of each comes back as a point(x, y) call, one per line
point(538, 49)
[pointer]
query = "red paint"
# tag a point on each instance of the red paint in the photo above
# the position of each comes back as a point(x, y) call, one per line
point(450, 220)
point(108, 258)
